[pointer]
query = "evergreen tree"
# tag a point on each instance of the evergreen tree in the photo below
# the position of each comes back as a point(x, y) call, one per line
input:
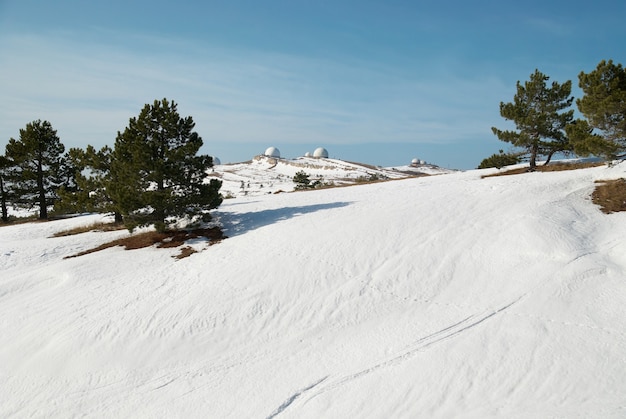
point(37, 166)
point(538, 117)
point(586, 142)
point(302, 181)
point(72, 198)
point(91, 174)
point(156, 175)
point(604, 107)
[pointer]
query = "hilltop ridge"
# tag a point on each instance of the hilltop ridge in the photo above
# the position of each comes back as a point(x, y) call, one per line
point(263, 174)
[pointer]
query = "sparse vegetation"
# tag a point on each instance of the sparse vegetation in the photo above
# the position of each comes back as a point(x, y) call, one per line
point(90, 227)
point(371, 178)
point(369, 166)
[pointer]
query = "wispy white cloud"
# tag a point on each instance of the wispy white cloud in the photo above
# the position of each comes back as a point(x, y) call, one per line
point(89, 90)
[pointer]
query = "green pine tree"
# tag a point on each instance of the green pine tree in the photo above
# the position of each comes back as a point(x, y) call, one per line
point(585, 142)
point(156, 175)
point(538, 113)
point(91, 174)
point(302, 181)
point(604, 107)
point(37, 166)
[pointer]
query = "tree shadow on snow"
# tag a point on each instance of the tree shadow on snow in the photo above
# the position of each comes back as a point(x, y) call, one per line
point(236, 224)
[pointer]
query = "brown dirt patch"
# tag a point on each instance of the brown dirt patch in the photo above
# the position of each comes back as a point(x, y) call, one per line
point(185, 251)
point(610, 195)
point(163, 240)
point(554, 167)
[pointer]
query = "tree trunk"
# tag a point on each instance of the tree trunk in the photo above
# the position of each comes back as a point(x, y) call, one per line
point(548, 159)
point(533, 158)
point(159, 210)
point(43, 207)
point(3, 201)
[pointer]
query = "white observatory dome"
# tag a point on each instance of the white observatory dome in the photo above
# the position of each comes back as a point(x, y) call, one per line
point(415, 162)
point(272, 152)
point(216, 161)
point(320, 152)
point(307, 154)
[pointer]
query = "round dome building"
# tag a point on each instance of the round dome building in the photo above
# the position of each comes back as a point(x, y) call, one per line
point(272, 152)
point(320, 152)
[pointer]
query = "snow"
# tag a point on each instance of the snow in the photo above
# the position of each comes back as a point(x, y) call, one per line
point(435, 296)
point(266, 175)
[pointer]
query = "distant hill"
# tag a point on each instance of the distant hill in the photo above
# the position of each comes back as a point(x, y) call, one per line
point(263, 175)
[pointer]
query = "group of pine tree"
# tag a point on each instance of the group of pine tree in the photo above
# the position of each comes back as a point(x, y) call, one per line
point(152, 176)
point(545, 124)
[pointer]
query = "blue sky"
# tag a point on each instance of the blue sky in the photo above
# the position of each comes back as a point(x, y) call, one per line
point(378, 82)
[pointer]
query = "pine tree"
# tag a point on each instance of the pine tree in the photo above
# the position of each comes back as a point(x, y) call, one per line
point(37, 166)
point(302, 181)
point(91, 175)
point(156, 175)
point(604, 107)
point(538, 117)
point(586, 142)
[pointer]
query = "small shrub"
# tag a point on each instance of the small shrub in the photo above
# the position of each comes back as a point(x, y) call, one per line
point(370, 178)
point(499, 160)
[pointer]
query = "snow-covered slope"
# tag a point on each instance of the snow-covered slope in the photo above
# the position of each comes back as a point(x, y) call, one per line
point(441, 296)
